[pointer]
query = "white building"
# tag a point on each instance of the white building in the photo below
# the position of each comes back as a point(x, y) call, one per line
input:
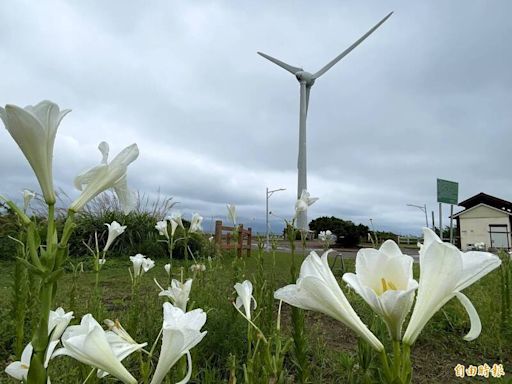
point(486, 219)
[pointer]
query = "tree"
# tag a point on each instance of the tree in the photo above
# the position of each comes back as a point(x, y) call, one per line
point(348, 234)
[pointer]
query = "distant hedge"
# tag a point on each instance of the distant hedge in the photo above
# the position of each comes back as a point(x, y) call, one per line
point(140, 236)
point(348, 234)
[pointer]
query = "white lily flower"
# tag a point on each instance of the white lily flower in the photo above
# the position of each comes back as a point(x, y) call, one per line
point(147, 264)
point(88, 344)
point(244, 291)
point(181, 333)
point(178, 293)
point(232, 213)
point(177, 218)
point(161, 227)
point(34, 129)
point(120, 341)
point(304, 201)
point(57, 323)
point(195, 223)
point(317, 290)
point(384, 280)
point(174, 225)
point(141, 264)
point(137, 261)
point(167, 268)
point(105, 176)
point(326, 236)
point(19, 369)
point(302, 205)
point(28, 195)
point(444, 272)
point(322, 235)
point(114, 230)
point(197, 268)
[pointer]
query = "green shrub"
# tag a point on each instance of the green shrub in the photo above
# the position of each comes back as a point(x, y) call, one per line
point(140, 236)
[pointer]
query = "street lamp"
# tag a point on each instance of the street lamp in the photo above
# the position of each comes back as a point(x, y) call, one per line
point(423, 208)
point(269, 193)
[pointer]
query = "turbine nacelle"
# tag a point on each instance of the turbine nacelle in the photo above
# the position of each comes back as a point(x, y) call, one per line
point(306, 77)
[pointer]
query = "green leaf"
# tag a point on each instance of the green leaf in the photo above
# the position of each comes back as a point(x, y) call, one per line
point(54, 276)
point(30, 266)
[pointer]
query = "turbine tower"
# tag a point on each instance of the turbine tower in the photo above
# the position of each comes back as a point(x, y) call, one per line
point(306, 81)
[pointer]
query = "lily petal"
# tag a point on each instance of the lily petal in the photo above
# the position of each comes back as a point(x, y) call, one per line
point(441, 269)
point(125, 196)
point(444, 272)
point(186, 379)
point(475, 265)
point(476, 325)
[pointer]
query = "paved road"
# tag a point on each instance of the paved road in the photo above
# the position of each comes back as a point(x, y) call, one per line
point(346, 253)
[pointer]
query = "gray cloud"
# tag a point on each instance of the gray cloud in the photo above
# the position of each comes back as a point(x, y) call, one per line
point(426, 96)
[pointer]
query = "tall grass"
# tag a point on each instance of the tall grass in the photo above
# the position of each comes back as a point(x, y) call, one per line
point(334, 355)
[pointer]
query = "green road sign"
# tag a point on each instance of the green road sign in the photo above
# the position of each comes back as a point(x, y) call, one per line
point(447, 192)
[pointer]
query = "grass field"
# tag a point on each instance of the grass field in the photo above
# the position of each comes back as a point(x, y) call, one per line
point(332, 347)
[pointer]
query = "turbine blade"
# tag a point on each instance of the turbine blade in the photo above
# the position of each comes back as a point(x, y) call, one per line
point(347, 51)
point(288, 67)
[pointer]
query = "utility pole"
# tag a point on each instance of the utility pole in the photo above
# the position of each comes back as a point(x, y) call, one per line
point(268, 194)
point(423, 208)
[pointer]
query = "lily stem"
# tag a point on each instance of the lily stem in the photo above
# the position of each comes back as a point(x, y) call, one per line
point(397, 358)
point(51, 228)
point(37, 371)
point(89, 376)
point(406, 368)
point(97, 295)
point(385, 365)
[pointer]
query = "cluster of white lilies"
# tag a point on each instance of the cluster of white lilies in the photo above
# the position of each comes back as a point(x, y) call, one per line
point(383, 278)
point(34, 129)
point(104, 350)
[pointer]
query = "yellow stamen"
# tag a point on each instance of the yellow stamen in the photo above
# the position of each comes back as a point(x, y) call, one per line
point(384, 285)
point(387, 285)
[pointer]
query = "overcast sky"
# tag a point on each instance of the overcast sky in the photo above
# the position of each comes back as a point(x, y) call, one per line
point(428, 95)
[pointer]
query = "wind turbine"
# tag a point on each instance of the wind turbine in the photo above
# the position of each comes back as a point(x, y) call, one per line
point(306, 81)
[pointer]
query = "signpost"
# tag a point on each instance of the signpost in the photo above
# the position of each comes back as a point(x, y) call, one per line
point(448, 193)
